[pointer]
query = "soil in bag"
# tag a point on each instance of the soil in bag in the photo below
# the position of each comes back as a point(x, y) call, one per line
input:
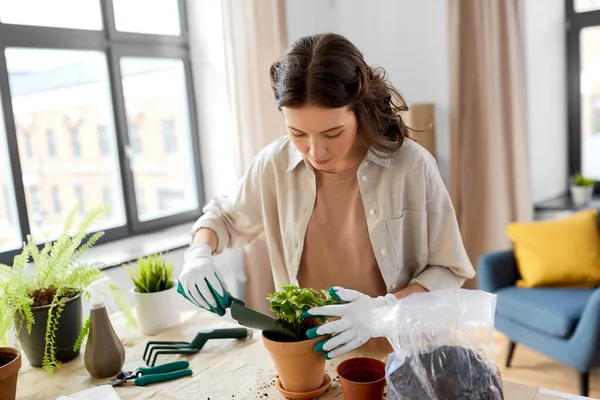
point(448, 373)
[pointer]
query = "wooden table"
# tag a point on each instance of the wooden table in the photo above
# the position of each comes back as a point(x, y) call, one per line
point(224, 369)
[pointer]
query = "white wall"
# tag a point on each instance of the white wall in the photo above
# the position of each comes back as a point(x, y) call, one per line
point(406, 37)
point(546, 97)
point(409, 39)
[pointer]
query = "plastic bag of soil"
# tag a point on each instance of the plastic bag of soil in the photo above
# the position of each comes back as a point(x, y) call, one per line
point(443, 346)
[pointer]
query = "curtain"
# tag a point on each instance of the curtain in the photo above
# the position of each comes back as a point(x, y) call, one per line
point(254, 32)
point(489, 181)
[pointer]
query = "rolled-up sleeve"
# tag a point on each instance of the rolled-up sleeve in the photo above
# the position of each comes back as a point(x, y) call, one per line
point(448, 264)
point(236, 218)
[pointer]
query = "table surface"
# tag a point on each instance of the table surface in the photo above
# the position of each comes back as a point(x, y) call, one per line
point(223, 369)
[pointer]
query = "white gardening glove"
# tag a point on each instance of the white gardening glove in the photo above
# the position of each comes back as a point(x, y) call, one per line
point(201, 283)
point(354, 328)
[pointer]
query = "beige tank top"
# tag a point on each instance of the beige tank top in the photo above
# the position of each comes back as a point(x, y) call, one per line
point(337, 248)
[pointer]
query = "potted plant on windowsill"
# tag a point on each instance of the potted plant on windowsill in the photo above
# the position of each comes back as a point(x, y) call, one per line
point(155, 295)
point(582, 190)
point(301, 369)
point(42, 303)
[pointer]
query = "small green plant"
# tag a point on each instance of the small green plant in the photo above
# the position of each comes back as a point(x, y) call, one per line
point(153, 274)
point(580, 180)
point(289, 303)
point(56, 277)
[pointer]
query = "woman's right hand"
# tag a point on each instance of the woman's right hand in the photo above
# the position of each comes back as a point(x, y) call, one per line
point(201, 283)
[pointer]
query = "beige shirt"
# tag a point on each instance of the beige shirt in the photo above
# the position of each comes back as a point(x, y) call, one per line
point(337, 249)
point(412, 225)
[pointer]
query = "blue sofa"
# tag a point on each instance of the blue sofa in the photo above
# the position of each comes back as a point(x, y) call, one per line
point(561, 323)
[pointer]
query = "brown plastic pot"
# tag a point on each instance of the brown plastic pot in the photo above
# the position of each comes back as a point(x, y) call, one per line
point(362, 378)
point(10, 363)
point(300, 368)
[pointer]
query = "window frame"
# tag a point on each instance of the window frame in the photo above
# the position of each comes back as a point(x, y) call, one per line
point(114, 44)
point(575, 22)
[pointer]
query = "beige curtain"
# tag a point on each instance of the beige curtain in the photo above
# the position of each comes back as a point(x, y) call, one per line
point(489, 181)
point(254, 39)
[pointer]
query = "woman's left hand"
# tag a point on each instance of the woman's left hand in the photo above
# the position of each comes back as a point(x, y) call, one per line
point(352, 330)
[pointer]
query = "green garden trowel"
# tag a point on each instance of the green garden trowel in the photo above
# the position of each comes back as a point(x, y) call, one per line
point(246, 316)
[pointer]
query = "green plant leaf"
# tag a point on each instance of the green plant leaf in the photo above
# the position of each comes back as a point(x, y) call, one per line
point(152, 274)
point(290, 301)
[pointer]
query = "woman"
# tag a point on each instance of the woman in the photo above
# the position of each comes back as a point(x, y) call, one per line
point(345, 199)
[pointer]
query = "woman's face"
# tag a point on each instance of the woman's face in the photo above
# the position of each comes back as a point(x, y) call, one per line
point(326, 137)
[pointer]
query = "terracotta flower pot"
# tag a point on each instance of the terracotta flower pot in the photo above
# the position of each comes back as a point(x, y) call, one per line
point(10, 363)
point(362, 378)
point(300, 368)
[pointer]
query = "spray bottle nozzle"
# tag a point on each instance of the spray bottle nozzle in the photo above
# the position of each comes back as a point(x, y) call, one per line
point(98, 291)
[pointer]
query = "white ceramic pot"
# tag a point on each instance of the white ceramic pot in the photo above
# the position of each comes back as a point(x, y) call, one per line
point(157, 311)
point(582, 195)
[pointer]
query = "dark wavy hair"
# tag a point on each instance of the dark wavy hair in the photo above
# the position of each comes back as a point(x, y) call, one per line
point(328, 71)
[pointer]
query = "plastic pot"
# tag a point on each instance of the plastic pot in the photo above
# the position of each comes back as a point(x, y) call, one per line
point(362, 378)
point(157, 311)
point(10, 363)
point(300, 368)
point(68, 328)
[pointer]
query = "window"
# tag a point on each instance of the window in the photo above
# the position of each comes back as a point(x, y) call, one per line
point(161, 83)
point(586, 5)
point(75, 142)
point(103, 143)
point(50, 144)
point(28, 146)
point(46, 100)
point(135, 141)
point(160, 16)
point(107, 196)
point(36, 206)
point(169, 136)
point(56, 200)
point(583, 70)
point(82, 14)
point(80, 199)
point(169, 199)
point(82, 84)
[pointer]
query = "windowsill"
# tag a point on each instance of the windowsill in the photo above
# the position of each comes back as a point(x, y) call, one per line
point(132, 248)
point(564, 203)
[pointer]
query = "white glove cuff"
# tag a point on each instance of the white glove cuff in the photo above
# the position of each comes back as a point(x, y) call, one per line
point(197, 250)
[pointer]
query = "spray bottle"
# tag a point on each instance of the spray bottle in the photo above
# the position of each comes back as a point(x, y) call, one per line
point(104, 352)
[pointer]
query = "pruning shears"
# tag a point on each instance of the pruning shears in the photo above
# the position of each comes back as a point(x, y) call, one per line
point(143, 376)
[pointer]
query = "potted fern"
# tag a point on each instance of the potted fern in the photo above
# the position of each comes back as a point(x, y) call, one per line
point(582, 190)
point(155, 295)
point(42, 303)
point(301, 369)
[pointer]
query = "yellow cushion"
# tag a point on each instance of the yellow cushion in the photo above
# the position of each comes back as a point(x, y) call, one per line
point(564, 252)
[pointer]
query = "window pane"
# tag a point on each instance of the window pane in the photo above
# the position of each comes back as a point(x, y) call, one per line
point(586, 5)
point(159, 17)
point(590, 102)
point(74, 14)
point(62, 100)
point(155, 92)
point(10, 231)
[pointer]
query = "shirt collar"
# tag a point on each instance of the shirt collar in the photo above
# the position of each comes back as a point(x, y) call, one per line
point(296, 157)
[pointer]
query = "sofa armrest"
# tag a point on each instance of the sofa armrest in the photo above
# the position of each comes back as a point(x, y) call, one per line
point(584, 345)
point(497, 270)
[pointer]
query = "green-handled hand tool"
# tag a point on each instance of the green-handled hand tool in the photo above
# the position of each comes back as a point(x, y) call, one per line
point(155, 348)
point(143, 376)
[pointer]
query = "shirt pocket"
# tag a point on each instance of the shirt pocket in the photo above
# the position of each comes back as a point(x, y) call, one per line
point(408, 238)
